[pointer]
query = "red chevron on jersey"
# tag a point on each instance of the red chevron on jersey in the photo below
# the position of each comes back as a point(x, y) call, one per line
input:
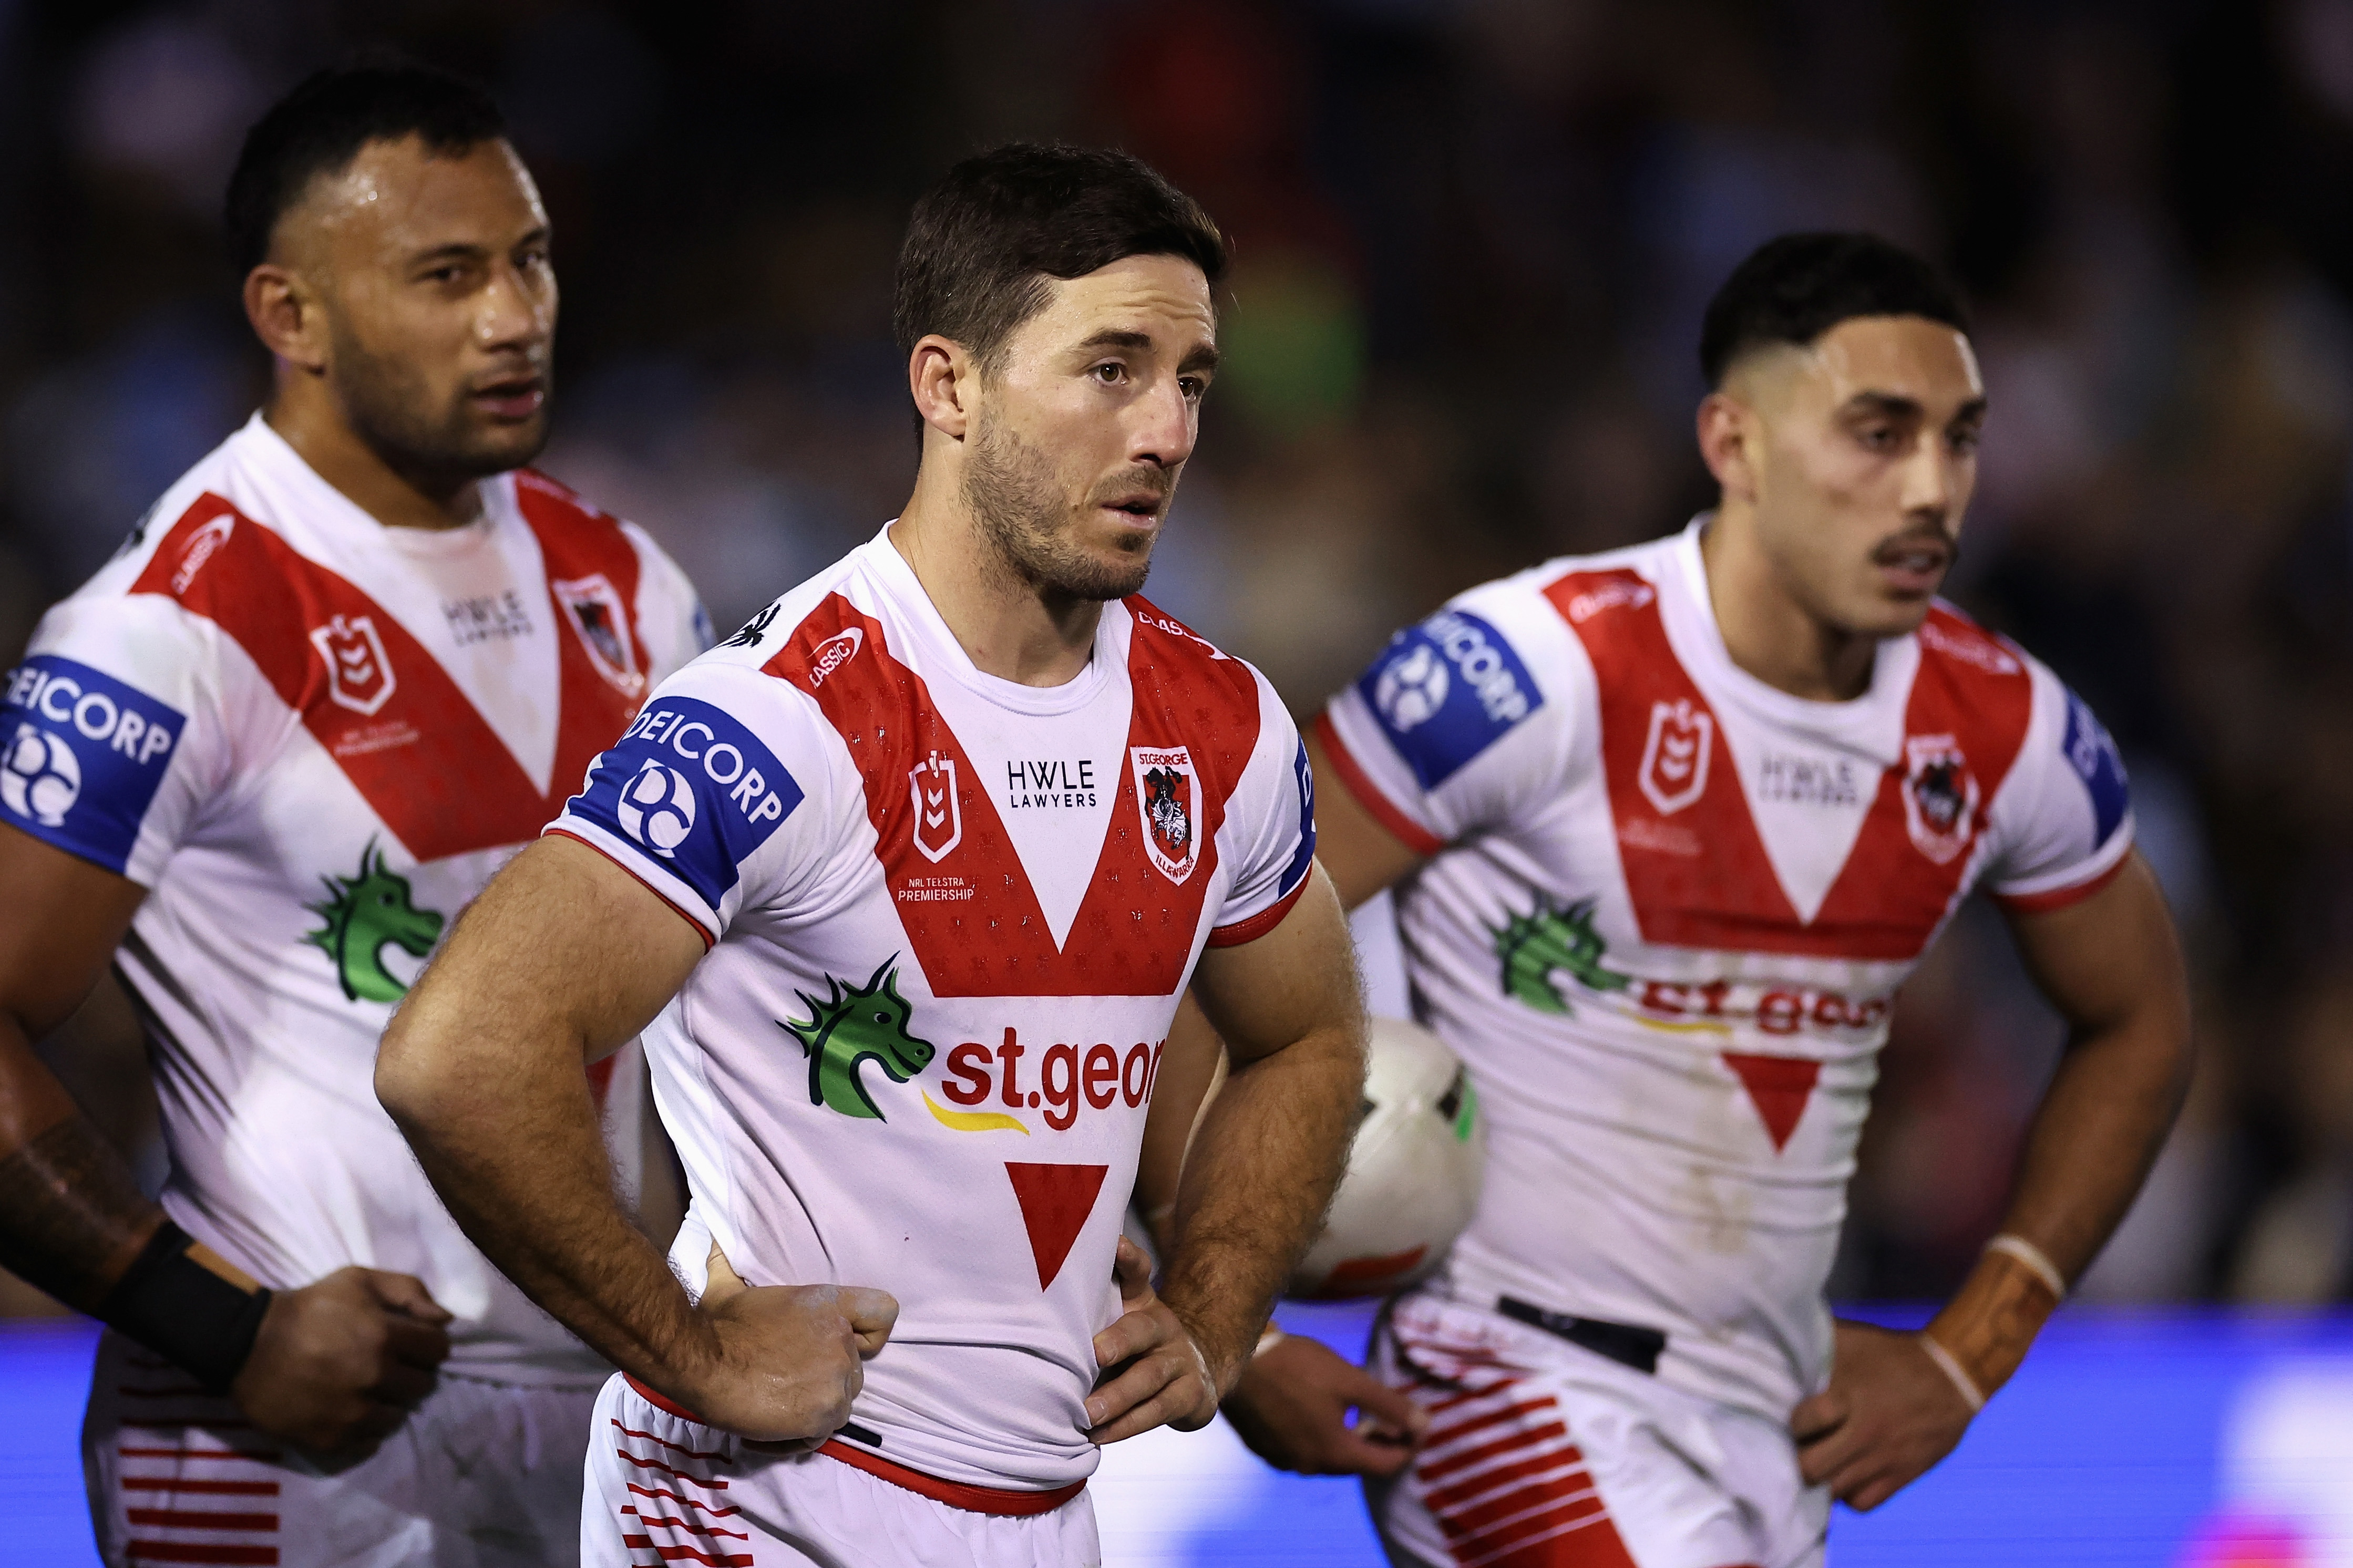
point(428, 763)
point(1055, 1201)
point(1695, 867)
point(1779, 1087)
point(937, 832)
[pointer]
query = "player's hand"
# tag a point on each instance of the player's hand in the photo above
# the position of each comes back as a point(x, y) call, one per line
point(1153, 1373)
point(339, 1364)
point(789, 1359)
point(1291, 1408)
point(1889, 1414)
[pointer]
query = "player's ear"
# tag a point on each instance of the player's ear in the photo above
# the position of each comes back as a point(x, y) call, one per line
point(286, 316)
point(1729, 434)
point(941, 376)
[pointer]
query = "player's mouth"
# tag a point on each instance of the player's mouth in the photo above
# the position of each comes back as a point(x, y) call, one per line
point(1136, 508)
point(515, 397)
point(1912, 565)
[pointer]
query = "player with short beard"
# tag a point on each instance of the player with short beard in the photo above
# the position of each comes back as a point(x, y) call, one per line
point(903, 884)
point(1668, 829)
point(344, 666)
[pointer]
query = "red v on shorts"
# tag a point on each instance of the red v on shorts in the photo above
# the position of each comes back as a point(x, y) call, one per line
point(1055, 1202)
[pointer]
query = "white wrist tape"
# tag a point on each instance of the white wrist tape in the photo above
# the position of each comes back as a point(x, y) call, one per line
point(1268, 1341)
point(1965, 1386)
point(2037, 1261)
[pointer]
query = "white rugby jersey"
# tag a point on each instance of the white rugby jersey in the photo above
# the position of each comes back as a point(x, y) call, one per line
point(312, 738)
point(949, 917)
point(1666, 914)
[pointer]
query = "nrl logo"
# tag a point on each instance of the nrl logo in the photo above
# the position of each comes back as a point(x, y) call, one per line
point(602, 620)
point(854, 1025)
point(1168, 797)
point(939, 816)
point(359, 676)
point(1675, 757)
point(1940, 796)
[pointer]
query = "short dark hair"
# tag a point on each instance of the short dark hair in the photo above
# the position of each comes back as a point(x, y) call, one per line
point(1794, 288)
point(982, 242)
point(320, 127)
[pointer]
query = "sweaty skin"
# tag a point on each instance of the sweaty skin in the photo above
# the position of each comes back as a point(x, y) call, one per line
point(1845, 468)
point(409, 306)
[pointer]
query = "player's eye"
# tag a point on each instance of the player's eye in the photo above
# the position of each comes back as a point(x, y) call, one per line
point(1111, 372)
point(1966, 441)
point(1194, 387)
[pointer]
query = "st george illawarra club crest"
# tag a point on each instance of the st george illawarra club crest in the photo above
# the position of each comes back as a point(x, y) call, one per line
point(939, 816)
point(1168, 797)
point(1940, 796)
point(594, 608)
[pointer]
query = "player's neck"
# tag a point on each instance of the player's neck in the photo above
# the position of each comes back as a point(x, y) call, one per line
point(1766, 630)
point(1008, 628)
point(304, 413)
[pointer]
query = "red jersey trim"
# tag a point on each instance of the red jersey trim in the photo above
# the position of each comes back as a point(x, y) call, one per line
point(656, 1400)
point(1259, 924)
point(996, 1500)
point(2060, 898)
point(708, 941)
point(1403, 828)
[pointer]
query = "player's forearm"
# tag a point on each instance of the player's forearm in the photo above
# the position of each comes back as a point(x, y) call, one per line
point(2089, 1148)
point(1256, 1186)
point(510, 1140)
point(75, 1219)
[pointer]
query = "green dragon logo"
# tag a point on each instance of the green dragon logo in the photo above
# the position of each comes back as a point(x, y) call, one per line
point(1537, 945)
point(364, 915)
point(854, 1025)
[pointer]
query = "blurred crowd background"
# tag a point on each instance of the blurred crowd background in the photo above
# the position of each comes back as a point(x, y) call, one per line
point(1473, 239)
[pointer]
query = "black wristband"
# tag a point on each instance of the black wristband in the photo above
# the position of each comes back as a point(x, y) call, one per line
point(184, 1312)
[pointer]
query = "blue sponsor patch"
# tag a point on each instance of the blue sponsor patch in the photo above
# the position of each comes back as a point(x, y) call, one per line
point(2092, 754)
point(1306, 855)
point(1446, 691)
point(693, 788)
point(80, 757)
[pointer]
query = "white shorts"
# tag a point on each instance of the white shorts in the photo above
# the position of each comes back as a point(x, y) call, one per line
point(481, 1475)
point(664, 1489)
point(1541, 1453)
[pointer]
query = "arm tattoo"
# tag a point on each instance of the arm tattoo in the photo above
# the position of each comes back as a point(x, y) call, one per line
point(73, 1217)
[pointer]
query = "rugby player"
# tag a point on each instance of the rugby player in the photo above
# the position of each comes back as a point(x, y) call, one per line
point(341, 671)
point(904, 883)
point(1668, 828)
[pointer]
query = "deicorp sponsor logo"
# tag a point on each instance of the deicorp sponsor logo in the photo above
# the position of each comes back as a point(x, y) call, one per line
point(81, 755)
point(693, 787)
point(1446, 691)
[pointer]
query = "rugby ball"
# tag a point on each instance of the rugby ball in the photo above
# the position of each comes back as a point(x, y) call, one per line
point(1413, 1171)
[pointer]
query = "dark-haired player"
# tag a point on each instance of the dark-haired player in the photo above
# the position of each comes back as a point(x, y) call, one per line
point(1668, 829)
point(342, 669)
point(903, 884)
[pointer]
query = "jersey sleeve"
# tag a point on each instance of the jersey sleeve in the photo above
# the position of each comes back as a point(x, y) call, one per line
point(695, 799)
point(113, 733)
point(1448, 732)
point(672, 619)
point(1271, 830)
point(2064, 815)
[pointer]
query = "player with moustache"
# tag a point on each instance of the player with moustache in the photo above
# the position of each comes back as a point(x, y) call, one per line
point(1667, 828)
point(904, 883)
point(340, 672)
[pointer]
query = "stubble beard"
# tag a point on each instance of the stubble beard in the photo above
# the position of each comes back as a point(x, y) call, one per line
point(392, 410)
point(1027, 521)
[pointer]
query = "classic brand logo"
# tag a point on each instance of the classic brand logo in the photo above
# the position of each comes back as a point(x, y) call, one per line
point(1609, 597)
point(834, 652)
point(1168, 797)
point(1940, 796)
point(602, 620)
point(359, 676)
point(1675, 756)
point(203, 544)
point(939, 816)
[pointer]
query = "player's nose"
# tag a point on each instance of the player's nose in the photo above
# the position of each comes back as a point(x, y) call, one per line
point(512, 314)
point(1167, 423)
point(1931, 482)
